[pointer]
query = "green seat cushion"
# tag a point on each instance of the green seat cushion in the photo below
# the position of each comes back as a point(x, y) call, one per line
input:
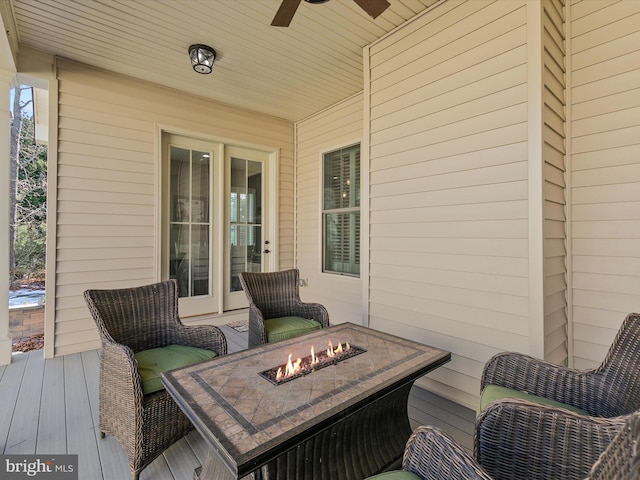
point(396, 475)
point(288, 327)
point(491, 393)
point(152, 362)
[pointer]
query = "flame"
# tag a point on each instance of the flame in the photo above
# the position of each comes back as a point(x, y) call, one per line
point(292, 368)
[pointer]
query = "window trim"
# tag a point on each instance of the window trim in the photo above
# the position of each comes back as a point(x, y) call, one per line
point(351, 209)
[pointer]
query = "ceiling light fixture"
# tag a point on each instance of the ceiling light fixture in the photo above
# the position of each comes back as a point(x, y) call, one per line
point(202, 58)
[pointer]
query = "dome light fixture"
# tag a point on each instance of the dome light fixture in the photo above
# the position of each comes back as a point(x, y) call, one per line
point(202, 58)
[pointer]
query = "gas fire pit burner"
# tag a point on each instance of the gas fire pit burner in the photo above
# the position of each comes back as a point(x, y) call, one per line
point(306, 365)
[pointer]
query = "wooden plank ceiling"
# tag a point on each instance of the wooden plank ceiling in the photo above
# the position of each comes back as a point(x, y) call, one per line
point(289, 72)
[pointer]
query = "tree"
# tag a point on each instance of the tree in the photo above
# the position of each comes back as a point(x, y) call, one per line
point(27, 202)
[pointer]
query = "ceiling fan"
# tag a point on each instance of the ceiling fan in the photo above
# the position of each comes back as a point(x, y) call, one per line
point(288, 8)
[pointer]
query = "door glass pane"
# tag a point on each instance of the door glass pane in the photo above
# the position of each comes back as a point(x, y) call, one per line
point(245, 216)
point(189, 224)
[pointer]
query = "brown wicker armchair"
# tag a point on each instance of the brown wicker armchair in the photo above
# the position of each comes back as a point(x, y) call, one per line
point(275, 296)
point(605, 397)
point(431, 454)
point(611, 390)
point(130, 321)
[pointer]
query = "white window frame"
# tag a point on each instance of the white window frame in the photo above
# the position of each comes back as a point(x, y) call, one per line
point(355, 244)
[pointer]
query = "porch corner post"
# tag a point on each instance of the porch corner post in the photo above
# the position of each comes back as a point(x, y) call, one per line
point(6, 79)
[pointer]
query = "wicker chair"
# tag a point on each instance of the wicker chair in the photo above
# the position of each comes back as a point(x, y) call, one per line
point(130, 321)
point(606, 396)
point(431, 454)
point(276, 295)
point(611, 390)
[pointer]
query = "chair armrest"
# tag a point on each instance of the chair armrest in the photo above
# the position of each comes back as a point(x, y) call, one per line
point(257, 332)
point(313, 311)
point(433, 455)
point(120, 384)
point(538, 377)
point(208, 337)
point(529, 441)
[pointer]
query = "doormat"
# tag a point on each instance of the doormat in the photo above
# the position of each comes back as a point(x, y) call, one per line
point(239, 326)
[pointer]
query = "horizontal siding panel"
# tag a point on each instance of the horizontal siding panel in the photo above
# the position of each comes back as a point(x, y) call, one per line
point(606, 176)
point(465, 246)
point(499, 338)
point(493, 175)
point(609, 319)
point(449, 84)
point(478, 124)
point(625, 118)
point(476, 29)
point(618, 247)
point(606, 193)
point(453, 213)
point(601, 300)
point(611, 103)
point(607, 229)
point(594, 263)
point(517, 267)
point(623, 284)
point(498, 155)
point(615, 157)
point(454, 196)
point(460, 146)
point(437, 113)
point(475, 229)
point(605, 88)
point(418, 289)
point(88, 253)
point(607, 211)
point(605, 140)
point(483, 282)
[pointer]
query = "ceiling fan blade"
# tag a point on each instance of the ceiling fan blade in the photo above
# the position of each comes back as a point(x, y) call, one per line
point(373, 7)
point(285, 13)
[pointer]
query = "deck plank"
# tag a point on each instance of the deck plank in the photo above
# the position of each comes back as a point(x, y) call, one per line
point(23, 432)
point(159, 470)
point(181, 459)
point(112, 457)
point(52, 424)
point(81, 434)
point(9, 391)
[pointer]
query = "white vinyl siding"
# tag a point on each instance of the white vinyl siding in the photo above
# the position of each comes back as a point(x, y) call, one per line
point(107, 185)
point(333, 128)
point(605, 125)
point(553, 153)
point(449, 202)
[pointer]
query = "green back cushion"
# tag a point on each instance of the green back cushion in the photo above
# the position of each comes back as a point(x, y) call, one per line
point(494, 392)
point(152, 362)
point(396, 475)
point(288, 327)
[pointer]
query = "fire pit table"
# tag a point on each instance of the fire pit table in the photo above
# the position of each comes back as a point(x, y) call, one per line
point(343, 420)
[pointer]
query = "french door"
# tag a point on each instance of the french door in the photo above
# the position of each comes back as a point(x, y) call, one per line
point(214, 221)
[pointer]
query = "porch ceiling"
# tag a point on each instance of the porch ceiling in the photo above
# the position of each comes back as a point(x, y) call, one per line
point(289, 72)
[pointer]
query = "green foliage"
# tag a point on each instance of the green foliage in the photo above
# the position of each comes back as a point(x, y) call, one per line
point(30, 250)
point(29, 247)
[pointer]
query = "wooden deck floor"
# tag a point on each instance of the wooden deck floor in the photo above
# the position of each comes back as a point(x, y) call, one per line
point(51, 407)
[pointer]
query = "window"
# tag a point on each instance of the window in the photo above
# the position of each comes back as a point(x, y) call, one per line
point(341, 211)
